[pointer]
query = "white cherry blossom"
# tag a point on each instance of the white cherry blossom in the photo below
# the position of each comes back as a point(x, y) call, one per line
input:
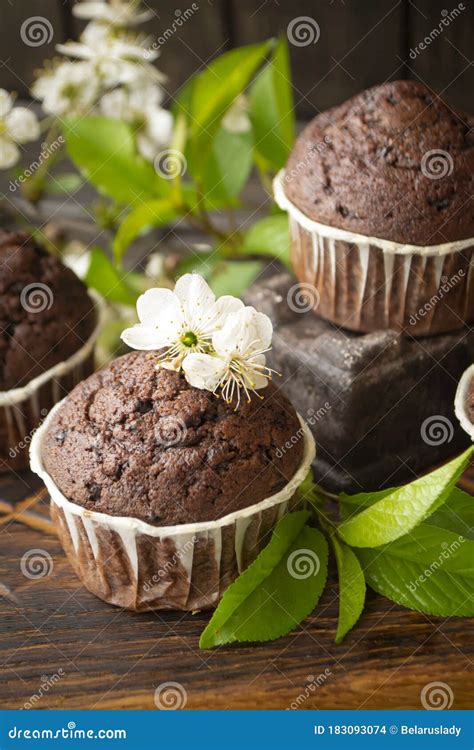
point(116, 12)
point(17, 125)
point(118, 58)
point(182, 321)
point(68, 89)
point(237, 362)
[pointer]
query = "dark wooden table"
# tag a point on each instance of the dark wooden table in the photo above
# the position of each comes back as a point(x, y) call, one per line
point(60, 647)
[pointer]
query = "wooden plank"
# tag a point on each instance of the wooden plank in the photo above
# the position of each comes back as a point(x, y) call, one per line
point(28, 35)
point(108, 658)
point(187, 38)
point(350, 45)
point(441, 49)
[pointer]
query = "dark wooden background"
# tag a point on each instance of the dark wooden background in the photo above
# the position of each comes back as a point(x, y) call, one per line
point(361, 43)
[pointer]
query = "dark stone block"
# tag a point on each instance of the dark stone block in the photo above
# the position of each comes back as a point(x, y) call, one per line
point(380, 405)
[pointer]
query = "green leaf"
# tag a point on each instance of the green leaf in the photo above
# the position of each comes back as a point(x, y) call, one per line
point(457, 514)
point(103, 276)
point(66, 182)
point(272, 111)
point(269, 236)
point(430, 570)
point(150, 214)
point(213, 92)
point(351, 588)
point(103, 149)
point(234, 277)
point(426, 542)
point(404, 508)
point(228, 167)
point(267, 600)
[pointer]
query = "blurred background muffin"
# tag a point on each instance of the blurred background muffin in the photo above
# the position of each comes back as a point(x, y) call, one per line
point(47, 329)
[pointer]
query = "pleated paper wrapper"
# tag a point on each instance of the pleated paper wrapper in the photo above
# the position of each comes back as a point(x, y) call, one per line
point(461, 402)
point(135, 565)
point(23, 409)
point(366, 284)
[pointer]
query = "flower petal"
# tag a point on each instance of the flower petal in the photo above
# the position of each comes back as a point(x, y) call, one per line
point(9, 153)
point(6, 102)
point(157, 305)
point(203, 371)
point(264, 328)
point(143, 338)
point(196, 298)
point(259, 381)
point(22, 125)
point(75, 49)
point(115, 104)
point(237, 334)
point(159, 125)
point(223, 307)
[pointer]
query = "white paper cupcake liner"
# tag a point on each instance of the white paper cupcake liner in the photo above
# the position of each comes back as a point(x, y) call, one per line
point(132, 564)
point(23, 409)
point(366, 283)
point(461, 402)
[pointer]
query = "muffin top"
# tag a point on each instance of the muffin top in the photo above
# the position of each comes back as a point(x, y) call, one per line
point(46, 314)
point(394, 162)
point(134, 440)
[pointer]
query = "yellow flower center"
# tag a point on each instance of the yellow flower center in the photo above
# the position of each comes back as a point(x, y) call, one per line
point(189, 339)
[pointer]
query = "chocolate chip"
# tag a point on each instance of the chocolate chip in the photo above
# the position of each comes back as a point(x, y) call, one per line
point(143, 406)
point(439, 203)
point(343, 210)
point(94, 491)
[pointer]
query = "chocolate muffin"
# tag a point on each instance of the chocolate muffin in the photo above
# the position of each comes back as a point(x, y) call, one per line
point(46, 314)
point(380, 195)
point(394, 162)
point(136, 441)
